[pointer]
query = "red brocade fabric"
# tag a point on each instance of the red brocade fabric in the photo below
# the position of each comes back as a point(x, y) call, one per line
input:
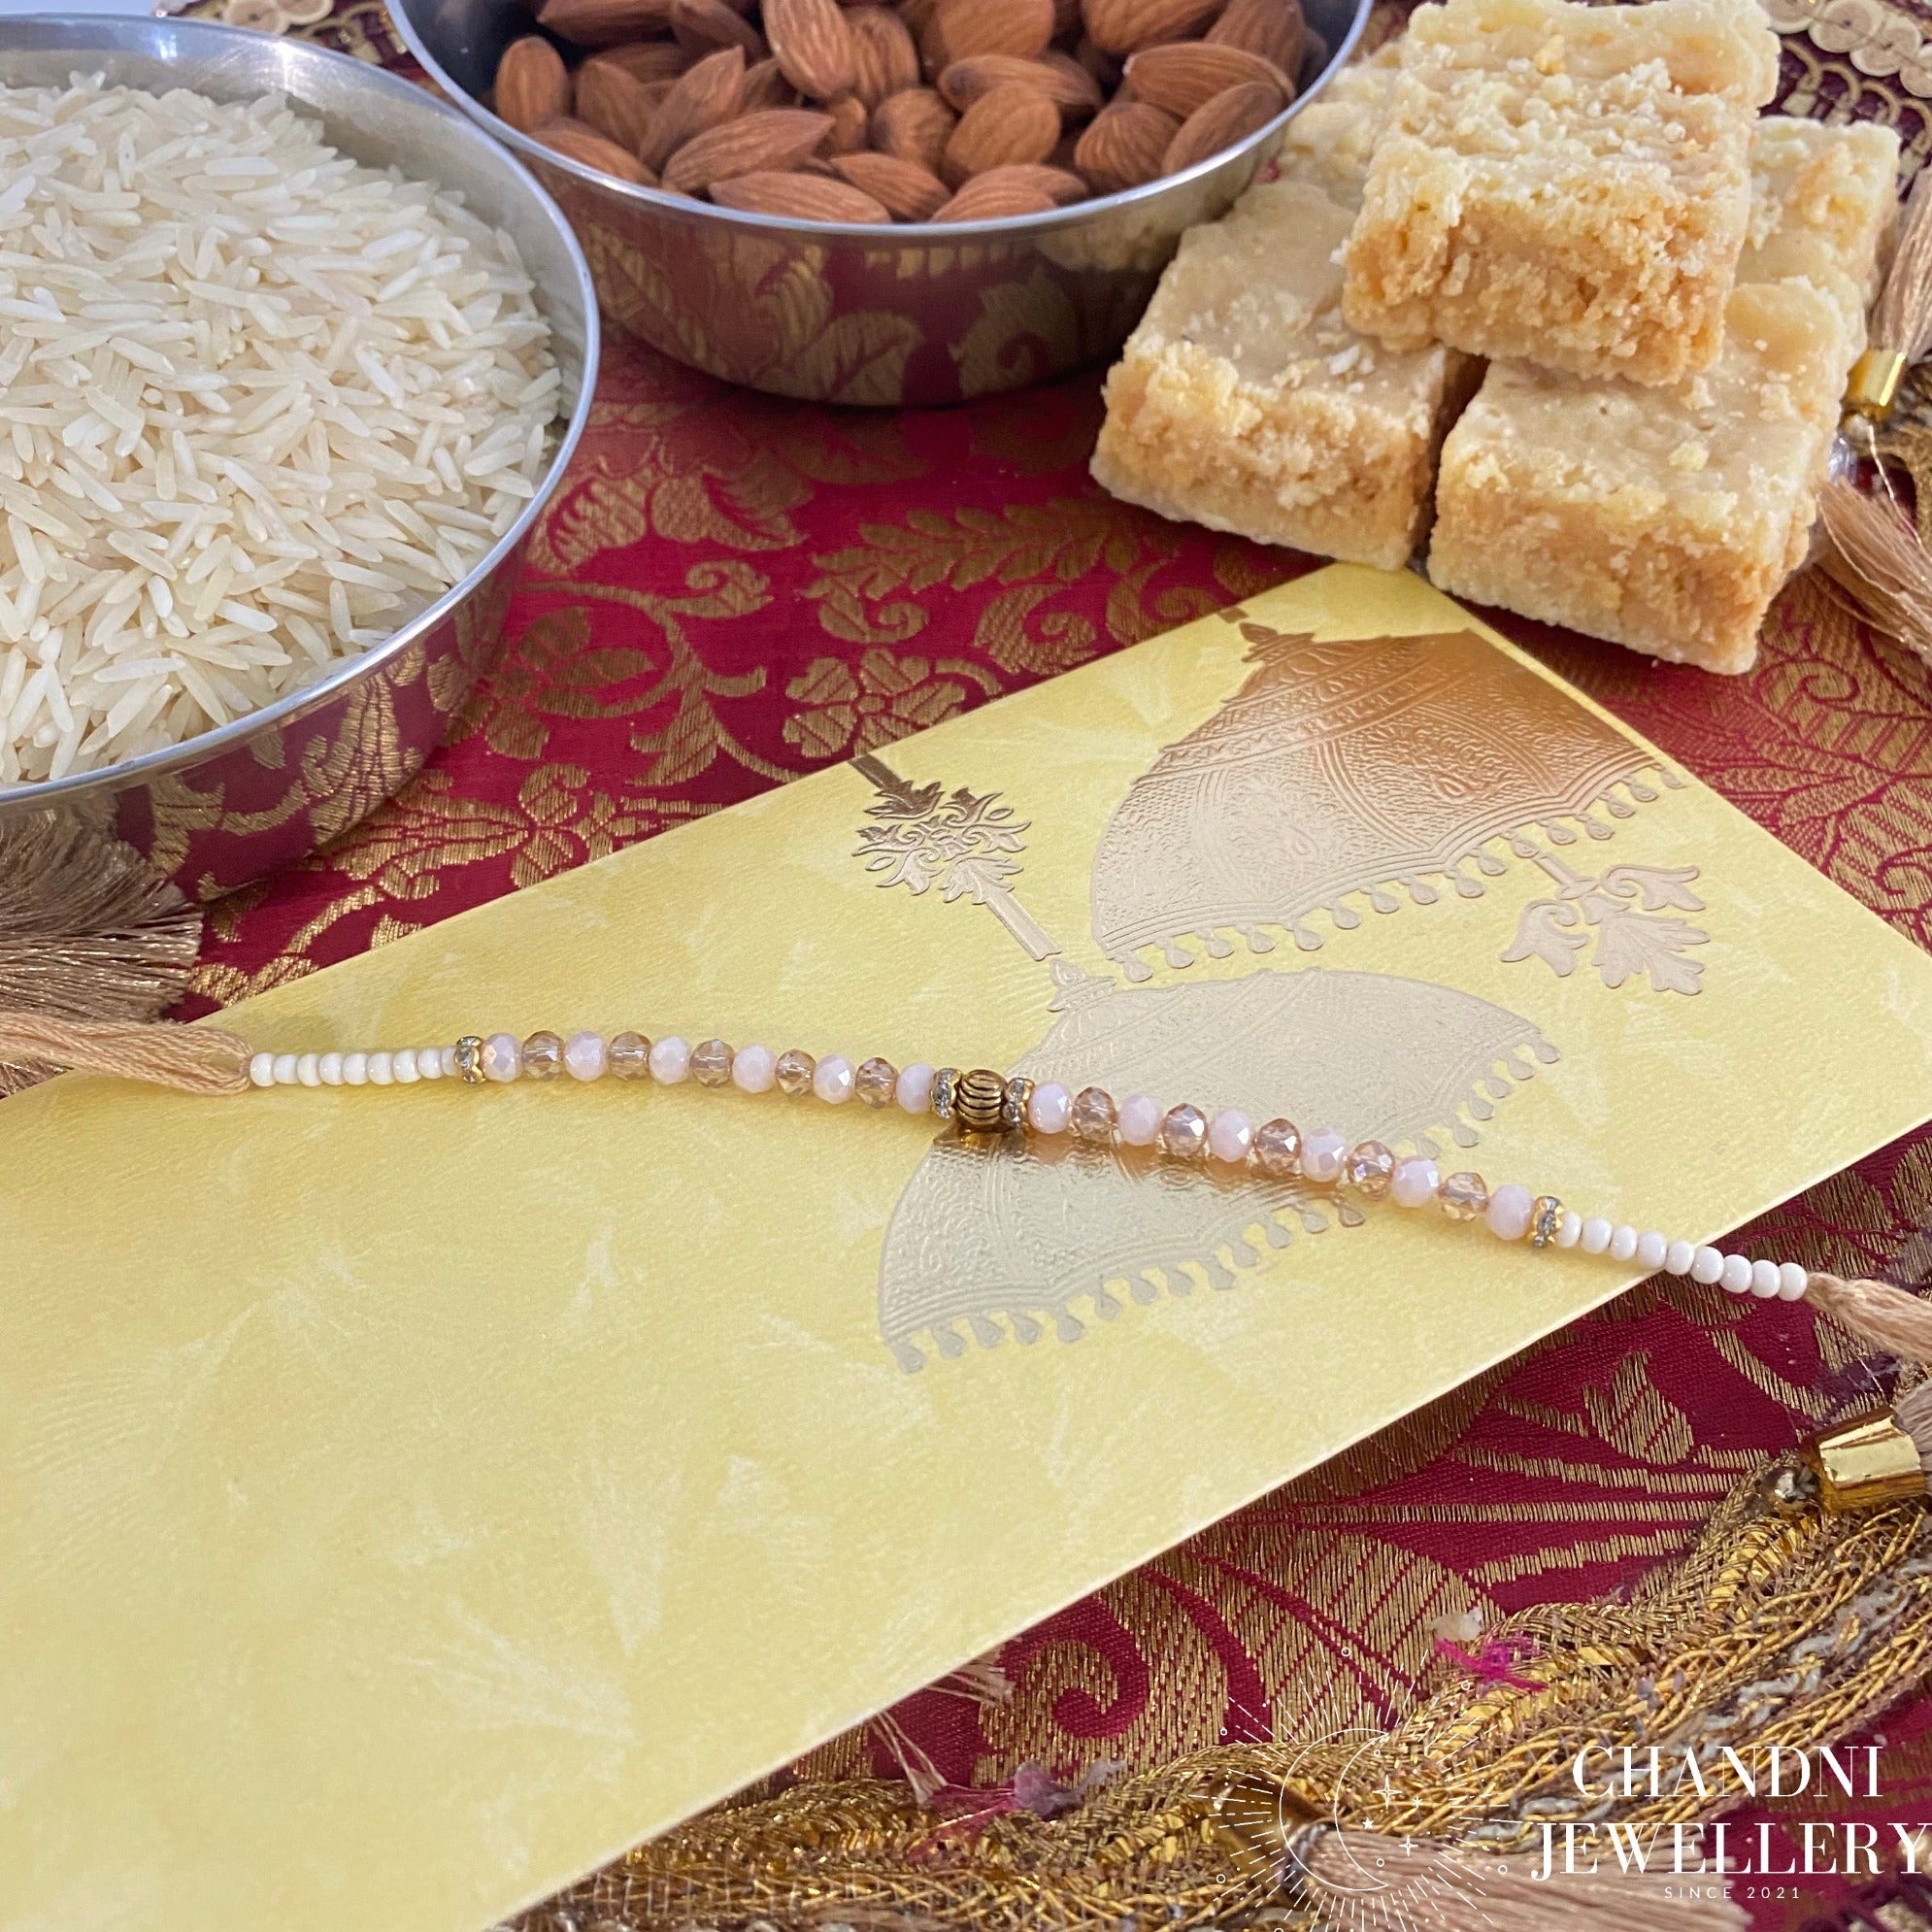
point(733, 591)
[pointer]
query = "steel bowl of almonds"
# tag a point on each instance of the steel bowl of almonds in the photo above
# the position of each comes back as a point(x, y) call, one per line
point(894, 202)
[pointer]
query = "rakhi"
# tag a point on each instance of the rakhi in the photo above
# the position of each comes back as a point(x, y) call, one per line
point(983, 1104)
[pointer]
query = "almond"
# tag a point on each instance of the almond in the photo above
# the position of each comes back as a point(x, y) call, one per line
point(648, 60)
point(906, 191)
point(886, 58)
point(578, 143)
point(703, 26)
point(850, 124)
point(798, 197)
point(1012, 123)
point(814, 46)
point(966, 27)
point(1060, 186)
point(765, 86)
point(1185, 75)
point(603, 23)
point(1125, 146)
point(1063, 81)
point(1123, 26)
point(617, 104)
point(712, 94)
point(1272, 28)
point(915, 126)
point(768, 142)
point(532, 83)
point(1231, 116)
point(994, 197)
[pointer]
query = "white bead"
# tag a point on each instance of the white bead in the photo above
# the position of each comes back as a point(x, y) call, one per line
point(354, 1069)
point(1678, 1257)
point(1736, 1278)
point(1595, 1237)
point(261, 1068)
point(403, 1065)
point(585, 1055)
point(1415, 1181)
point(1569, 1229)
point(329, 1066)
point(448, 1055)
point(1139, 1121)
point(429, 1062)
point(1050, 1107)
point(1230, 1135)
point(1622, 1242)
point(1321, 1153)
point(1764, 1279)
point(1707, 1265)
point(1651, 1248)
point(670, 1061)
point(308, 1070)
point(285, 1069)
point(381, 1072)
point(1793, 1278)
point(753, 1069)
point(1508, 1212)
point(501, 1057)
point(832, 1080)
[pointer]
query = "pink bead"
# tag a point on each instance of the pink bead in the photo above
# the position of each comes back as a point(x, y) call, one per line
point(585, 1055)
point(1050, 1107)
point(1230, 1135)
point(914, 1089)
point(832, 1079)
point(502, 1057)
point(1509, 1211)
point(1140, 1120)
point(1417, 1179)
point(753, 1069)
point(670, 1061)
point(1321, 1153)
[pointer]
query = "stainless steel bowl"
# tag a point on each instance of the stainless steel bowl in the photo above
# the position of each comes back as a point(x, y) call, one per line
point(233, 804)
point(836, 312)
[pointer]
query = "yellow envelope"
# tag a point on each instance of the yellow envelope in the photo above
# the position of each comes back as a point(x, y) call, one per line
point(410, 1496)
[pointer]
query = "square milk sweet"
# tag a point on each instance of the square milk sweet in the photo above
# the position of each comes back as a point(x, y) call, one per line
point(1245, 401)
point(1668, 519)
point(1563, 184)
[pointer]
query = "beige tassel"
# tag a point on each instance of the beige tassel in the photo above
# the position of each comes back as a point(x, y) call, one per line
point(1875, 559)
point(1902, 317)
point(196, 1059)
point(1876, 1314)
point(87, 931)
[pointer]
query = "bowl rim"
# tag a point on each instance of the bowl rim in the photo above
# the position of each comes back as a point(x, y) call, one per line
point(105, 33)
point(898, 232)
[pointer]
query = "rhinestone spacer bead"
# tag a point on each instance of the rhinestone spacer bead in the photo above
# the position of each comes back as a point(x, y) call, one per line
point(945, 1088)
point(1545, 1216)
point(1012, 1109)
point(469, 1060)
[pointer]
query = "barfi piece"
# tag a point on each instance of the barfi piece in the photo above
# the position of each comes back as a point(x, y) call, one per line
point(1245, 402)
point(1658, 519)
point(1564, 184)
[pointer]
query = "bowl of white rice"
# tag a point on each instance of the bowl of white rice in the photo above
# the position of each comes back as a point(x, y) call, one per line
point(292, 358)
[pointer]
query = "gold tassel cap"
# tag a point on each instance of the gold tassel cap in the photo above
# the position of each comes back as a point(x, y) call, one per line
point(1863, 1464)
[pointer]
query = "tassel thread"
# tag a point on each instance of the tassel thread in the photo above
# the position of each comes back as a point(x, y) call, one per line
point(1876, 1314)
point(193, 1059)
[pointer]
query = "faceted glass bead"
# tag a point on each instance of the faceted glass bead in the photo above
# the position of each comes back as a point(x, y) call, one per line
point(630, 1056)
point(1094, 1115)
point(1183, 1132)
point(1369, 1170)
point(876, 1082)
point(794, 1072)
point(711, 1063)
point(543, 1056)
point(1277, 1148)
point(1464, 1196)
